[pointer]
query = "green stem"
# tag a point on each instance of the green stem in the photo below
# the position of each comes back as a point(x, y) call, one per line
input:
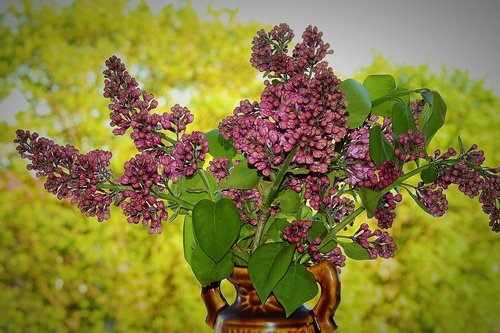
point(394, 95)
point(343, 224)
point(206, 183)
point(114, 187)
point(164, 196)
point(275, 186)
point(175, 199)
point(166, 137)
point(264, 211)
point(332, 233)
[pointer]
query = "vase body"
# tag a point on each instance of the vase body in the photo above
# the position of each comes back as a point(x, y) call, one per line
point(247, 315)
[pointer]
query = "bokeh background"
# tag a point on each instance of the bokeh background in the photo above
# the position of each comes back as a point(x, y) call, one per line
point(62, 272)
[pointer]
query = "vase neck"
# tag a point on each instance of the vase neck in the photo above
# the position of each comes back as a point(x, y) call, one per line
point(245, 292)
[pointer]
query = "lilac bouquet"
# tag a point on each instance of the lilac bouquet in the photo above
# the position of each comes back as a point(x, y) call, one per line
point(287, 176)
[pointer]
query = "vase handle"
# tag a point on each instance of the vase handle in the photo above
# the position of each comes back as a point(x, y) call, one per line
point(214, 302)
point(327, 276)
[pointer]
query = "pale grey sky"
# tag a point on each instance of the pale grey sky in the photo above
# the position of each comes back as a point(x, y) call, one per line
point(461, 34)
point(458, 33)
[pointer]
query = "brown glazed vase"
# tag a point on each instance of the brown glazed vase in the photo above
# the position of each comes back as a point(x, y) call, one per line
point(247, 315)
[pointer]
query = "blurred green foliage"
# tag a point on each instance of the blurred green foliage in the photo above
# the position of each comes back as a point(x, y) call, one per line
point(446, 273)
point(62, 272)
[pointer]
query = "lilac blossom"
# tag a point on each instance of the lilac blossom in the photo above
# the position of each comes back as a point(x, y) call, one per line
point(377, 243)
point(139, 203)
point(304, 109)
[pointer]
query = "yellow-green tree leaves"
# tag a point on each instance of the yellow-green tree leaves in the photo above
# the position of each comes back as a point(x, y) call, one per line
point(60, 271)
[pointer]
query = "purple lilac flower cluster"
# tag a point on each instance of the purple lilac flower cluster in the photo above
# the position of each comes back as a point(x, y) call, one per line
point(87, 179)
point(336, 257)
point(296, 234)
point(141, 173)
point(465, 173)
point(377, 243)
point(69, 174)
point(323, 198)
point(489, 198)
point(303, 107)
point(130, 106)
point(188, 152)
point(385, 214)
point(433, 198)
point(219, 167)
point(362, 171)
point(412, 146)
point(472, 180)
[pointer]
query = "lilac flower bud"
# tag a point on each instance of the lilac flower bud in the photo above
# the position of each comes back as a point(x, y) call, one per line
point(336, 257)
point(385, 210)
point(382, 245)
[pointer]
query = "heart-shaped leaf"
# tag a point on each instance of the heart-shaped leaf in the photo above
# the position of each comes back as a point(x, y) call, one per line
point(206, 270)
point(355, 251)
point(380, 149)
point(274, 228)
point(268, 264)
point(360, 105)
point(219, 147)
point(188, 241)
point(429, 174)
point(192, 189)
point(296, 287)
point(241, 177)
point(216, 226)
point(434, 117)
point(379, 85)
point(402, 119)
point(384, 109)
point(289, 201)
point(370, 200)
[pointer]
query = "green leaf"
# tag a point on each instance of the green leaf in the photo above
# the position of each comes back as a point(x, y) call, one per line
point(247, 231)
point(325, 248)
point(268, 264)
point(460, 145)
point(427, 96)
point(355, 251)
point(216, 226)
point(219, 147)
point(370, 200)
point(274, 228)
point(379, 85)
point(385, 109)
point(336, 174)
point(402, 119)
point(420, 204)
point(241, 177)
point(192, 189)
point(295, 288)
point(206, 270)
point(317, 230)
point(188, 240)
point(306, 213)
point(380, 149)
point(241, 258)
point(436, 116)
point(429, 174)
point(359, 103)
point(289, 201)
point(300, 171)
